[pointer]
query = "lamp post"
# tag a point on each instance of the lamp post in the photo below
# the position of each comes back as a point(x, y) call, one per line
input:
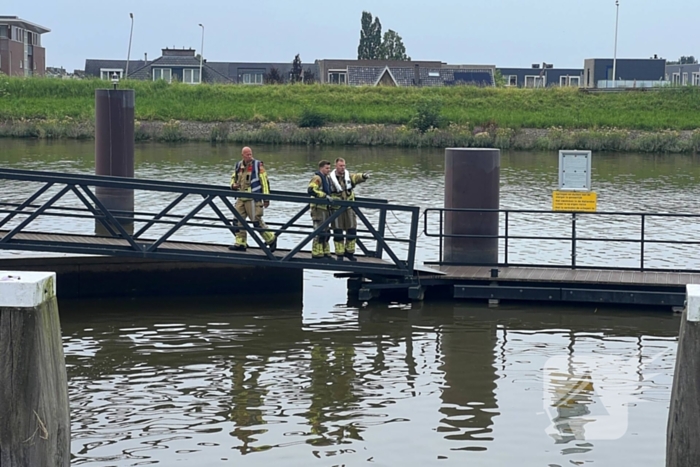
point(128, 54)
point(617, 17)
point(201, 54)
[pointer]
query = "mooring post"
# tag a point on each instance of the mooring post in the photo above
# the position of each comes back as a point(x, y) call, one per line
point(472, 180)
point(34, 412)
point(683, 431)
point(114, 150)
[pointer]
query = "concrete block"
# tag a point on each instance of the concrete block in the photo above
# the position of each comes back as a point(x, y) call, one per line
point(693, 305)
point(26, 289)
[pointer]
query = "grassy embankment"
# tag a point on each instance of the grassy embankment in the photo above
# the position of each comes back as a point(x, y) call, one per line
point(655, 121)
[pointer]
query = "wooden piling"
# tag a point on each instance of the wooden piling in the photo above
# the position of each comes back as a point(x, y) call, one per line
point(683, 430)
point(34, 411)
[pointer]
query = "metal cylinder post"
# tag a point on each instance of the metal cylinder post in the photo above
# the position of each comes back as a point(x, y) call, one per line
point(472, 178)
point(114, 150)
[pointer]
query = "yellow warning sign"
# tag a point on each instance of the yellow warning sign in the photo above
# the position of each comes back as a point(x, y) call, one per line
point(574, 201)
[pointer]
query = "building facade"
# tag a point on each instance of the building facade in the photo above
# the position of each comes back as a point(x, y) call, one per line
point(683, 75)
point(631, 72)
point(542, 76)
point(21, 50)
point(183, 65)
point(402, 73)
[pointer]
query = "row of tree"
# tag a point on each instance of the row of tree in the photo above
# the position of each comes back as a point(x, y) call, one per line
point(374, 46)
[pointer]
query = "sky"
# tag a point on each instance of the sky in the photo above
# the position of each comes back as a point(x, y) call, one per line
point(505, 33)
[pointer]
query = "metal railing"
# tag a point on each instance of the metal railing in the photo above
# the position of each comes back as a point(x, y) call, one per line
point(571, 222)
point(17, 215)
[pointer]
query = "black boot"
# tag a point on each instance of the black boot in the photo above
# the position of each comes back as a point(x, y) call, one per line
point(273, 245)
point(350, 256)
point(237, 247)
point(340, 257)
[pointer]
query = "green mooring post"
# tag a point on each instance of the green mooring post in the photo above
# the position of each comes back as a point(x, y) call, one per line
point(683, 431)
point(34, 412)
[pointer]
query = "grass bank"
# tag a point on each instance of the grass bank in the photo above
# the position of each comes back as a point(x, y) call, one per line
point(674, 108)
point(499, 117)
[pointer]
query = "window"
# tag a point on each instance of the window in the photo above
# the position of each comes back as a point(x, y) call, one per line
point(252, 78)
point(163, 73)
point(512, 80)
point(190, 75)
point(106, 73)
point(21, 64)
point(3, 31)
point(696, 79)
point(434, 74)
point(574, 81)
point(685, 79)
point(676, 78)
point(534, 81)
point(338, 77)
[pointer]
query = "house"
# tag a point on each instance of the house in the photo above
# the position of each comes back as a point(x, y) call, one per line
point(631, 72)
point(183, 65)
point(542, 76)
point(21, 53)
point(259, 73)
point(683, 75)
point(402, 73)
point(173, 64)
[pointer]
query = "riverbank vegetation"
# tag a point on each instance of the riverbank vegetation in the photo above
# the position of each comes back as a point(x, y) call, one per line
point(323, 114)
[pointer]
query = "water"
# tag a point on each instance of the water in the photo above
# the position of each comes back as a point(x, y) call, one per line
point(213, 381)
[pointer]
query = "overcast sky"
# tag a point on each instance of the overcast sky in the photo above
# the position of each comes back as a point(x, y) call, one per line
point(505, 33)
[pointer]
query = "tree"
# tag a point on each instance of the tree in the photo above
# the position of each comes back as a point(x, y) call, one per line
point(370, 38)
point(296, 75)
point(392, 47)
point(273, 77)
point(689, 60)
point(309, 76)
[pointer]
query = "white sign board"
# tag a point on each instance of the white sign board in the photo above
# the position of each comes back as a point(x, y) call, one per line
point(575, 170)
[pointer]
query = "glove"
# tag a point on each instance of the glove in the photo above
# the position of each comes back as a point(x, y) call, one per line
point(366, 175)
point(266, 203)
point(329, 198)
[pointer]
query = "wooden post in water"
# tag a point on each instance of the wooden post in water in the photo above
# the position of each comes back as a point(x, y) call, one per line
point(683, 431)
point(34, 413)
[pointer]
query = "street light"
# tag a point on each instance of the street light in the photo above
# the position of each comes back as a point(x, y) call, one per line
point(617, 17)
point(128, 54)
point(201, 54)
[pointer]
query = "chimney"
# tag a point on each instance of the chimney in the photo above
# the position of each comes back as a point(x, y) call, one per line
point(145, 56)
point(416, 75)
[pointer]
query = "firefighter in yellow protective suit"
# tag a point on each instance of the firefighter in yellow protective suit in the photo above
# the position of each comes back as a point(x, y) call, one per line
point(320, 187)
point(343, 187)
point(250, 176)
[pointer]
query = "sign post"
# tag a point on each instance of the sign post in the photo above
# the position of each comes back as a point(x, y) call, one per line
point(574, 193)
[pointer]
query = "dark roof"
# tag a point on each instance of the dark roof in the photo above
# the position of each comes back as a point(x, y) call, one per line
point(93, 66)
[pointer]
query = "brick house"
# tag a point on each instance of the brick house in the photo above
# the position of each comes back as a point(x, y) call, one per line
point(21, 53)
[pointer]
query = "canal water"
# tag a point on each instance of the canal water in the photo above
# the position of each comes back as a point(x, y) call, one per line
point(219, 380)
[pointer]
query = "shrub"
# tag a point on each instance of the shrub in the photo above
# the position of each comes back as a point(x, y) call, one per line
point(171, 132)
point(312, 119)
point(427, 115)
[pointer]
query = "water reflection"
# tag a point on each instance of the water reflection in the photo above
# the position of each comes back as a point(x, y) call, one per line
point(412, 384)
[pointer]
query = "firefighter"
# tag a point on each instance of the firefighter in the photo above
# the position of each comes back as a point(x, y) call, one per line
point(249, 176)
point(343, 187)
point(320, 187)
